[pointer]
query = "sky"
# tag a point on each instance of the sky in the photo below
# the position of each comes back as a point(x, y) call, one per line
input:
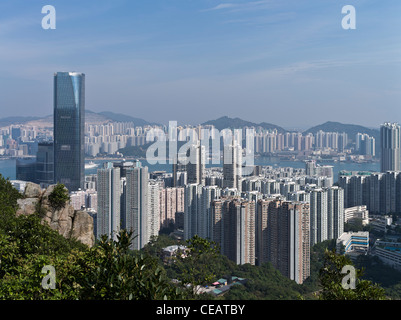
point(286, 62)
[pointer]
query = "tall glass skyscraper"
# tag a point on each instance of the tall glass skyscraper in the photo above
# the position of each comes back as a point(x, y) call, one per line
point(69, 124)
point(390, 147)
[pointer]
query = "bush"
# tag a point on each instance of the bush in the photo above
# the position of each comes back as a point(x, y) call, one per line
point(59, 197)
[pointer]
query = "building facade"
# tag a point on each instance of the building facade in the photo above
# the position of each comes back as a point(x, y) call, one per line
point(69, 126)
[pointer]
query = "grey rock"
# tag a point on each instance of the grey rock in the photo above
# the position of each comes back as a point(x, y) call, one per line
point(26, 206)
point(32, 190)
point(82, 229)
point(66, 221)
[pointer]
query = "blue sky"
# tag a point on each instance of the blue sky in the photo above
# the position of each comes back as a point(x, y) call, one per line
point(287, 62)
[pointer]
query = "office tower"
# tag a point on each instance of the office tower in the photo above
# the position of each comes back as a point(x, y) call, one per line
point(232, 166)
point(318, 216)
point(239, 231)
point(45, 164)
point(108, 201)
point(335, 212)
point(136, 212)
point(196, 165)
point(390, 147)
point(69, 124)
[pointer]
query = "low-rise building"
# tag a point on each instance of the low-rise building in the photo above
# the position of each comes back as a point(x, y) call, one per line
point(353, 214)
point(353, 243)
point(389, 252)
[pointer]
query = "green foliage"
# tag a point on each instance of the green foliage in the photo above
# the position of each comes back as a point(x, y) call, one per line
point(8, 195)
point(264, 283)
point(108, 270)
point(331, 278)
point(113, 272)
point(58, 197)
point(135, 151)
point(388, 277)
point(356, 226)
point(157, 244)
point(195, 266)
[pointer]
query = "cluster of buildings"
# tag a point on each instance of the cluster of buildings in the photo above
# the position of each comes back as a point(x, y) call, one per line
point(109, 138)
point(379, 191)
point(271, 142)
point(380, 194)
point(273, 214)
point(255, 214)
point(22, 140)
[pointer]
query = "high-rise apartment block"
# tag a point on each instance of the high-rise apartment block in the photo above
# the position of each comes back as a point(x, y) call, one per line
point(108, 201)
point(233, 228)
point(196, 165)
point(390, 147)
point(232, 166)
point(283, 232)
point(380, 192)
point(137, 205)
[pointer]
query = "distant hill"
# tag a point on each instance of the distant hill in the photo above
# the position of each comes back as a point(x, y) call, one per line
point(236, 123)
point(90, 117)
point(16, 120)
point(125, 118)
point(350, 129)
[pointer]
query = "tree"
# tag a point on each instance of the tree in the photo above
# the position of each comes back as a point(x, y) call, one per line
point(332, 281)
point(58, 197)
point(8, 195)
point(111, 271)
point(108, 270)
point(196, 264)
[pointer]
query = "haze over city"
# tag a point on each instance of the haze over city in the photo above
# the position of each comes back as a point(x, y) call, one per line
point(284, 62)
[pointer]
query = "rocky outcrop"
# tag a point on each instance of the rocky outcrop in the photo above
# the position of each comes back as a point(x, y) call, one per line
point(68, 222)
point(32, 190)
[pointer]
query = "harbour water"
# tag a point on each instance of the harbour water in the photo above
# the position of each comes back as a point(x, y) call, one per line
point(7, 166)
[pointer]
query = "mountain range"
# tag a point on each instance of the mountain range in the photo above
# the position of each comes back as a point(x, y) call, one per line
point(220, 123)
point(237, 123)
point(90, 117)
point(350, 129)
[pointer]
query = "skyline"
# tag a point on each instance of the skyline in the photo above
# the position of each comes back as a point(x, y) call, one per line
point(212, 58)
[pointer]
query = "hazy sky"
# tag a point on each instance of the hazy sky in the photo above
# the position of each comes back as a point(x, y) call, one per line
point(287, 62)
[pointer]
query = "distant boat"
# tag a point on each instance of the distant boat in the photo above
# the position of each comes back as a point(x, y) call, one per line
point(90, 165)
